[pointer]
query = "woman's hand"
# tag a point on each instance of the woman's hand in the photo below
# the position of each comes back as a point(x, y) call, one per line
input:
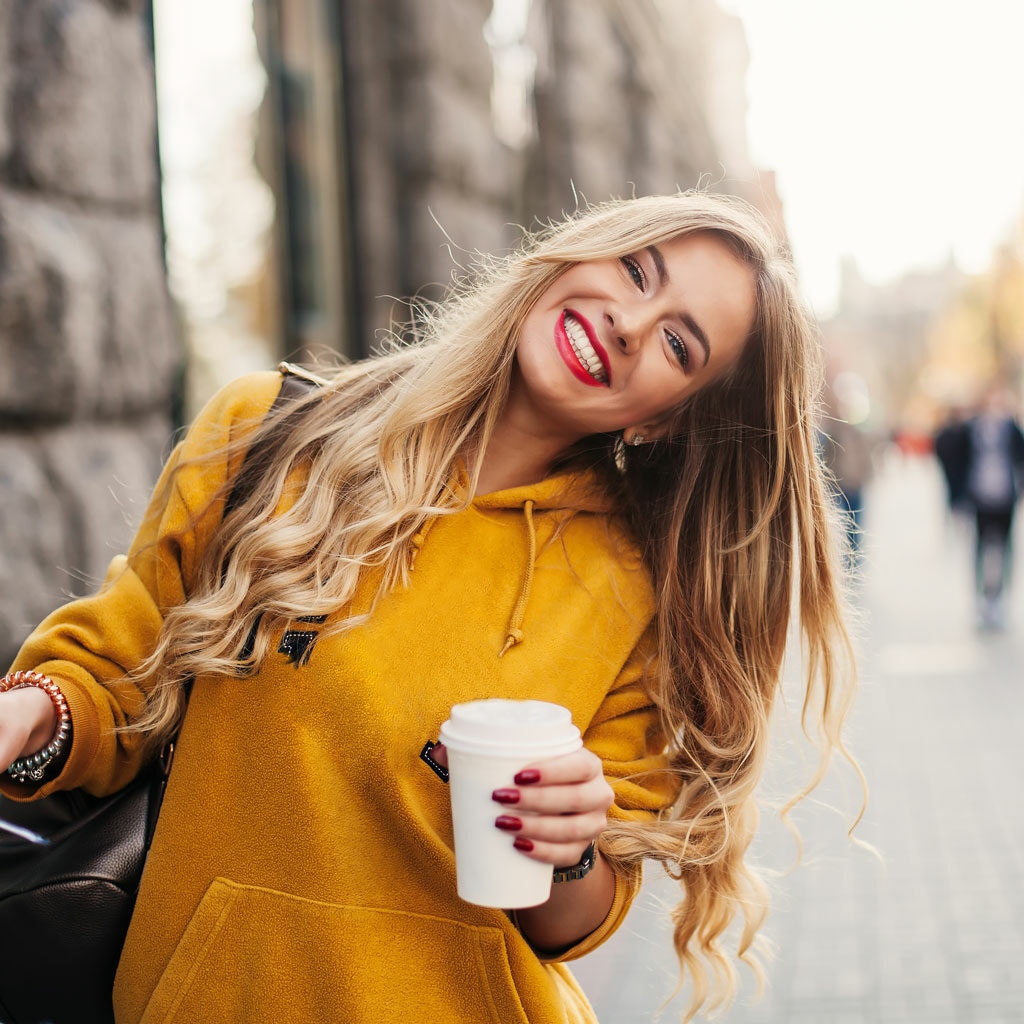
point(567, 800)
point(27, 722)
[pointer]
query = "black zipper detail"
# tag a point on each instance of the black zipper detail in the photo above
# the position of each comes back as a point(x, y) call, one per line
point(439, 771)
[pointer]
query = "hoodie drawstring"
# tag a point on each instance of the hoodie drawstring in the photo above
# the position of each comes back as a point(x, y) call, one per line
point(515, 632)
point(420, 538)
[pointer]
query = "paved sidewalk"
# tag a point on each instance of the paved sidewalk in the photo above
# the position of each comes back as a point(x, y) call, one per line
point(936, 935)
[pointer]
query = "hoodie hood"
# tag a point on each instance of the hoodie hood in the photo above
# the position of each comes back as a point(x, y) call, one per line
point(568, 492)
point(575, 491)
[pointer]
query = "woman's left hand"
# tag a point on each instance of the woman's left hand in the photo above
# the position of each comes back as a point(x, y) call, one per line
point(566, 800)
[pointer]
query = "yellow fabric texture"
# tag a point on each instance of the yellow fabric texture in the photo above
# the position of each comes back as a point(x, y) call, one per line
point(302, 868)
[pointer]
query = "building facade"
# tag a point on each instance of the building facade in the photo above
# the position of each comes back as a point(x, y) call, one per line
point(89, 352)
point(387, 141)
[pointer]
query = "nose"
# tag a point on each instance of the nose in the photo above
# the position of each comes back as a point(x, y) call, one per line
point(629, 323)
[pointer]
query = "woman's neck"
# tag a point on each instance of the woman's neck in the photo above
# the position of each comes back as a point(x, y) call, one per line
point(519, 452)
point(507, 466)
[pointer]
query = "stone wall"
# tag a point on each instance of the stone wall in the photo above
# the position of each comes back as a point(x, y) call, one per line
point(624, 102)
point(423, 156)
point(88, 348)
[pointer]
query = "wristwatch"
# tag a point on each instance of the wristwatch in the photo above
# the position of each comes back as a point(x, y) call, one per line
point(579, 869)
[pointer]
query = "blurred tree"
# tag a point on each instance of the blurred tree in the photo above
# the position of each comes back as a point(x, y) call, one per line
point(980, 335)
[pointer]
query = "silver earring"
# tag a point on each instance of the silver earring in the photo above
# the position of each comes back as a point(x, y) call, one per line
point(636, 440)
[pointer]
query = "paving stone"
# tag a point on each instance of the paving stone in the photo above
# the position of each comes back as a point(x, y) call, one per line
point(991, 1015)
point(33, 542)
point(51, 315)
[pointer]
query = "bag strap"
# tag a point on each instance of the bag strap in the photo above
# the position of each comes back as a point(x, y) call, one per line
point(295, 385)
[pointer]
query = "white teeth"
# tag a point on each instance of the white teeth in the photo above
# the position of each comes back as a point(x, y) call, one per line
point(583, 349)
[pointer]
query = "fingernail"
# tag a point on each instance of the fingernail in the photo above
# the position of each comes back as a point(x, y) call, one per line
point(506, 796)
point(525, 777)
point(508, 823)
point(523, 844)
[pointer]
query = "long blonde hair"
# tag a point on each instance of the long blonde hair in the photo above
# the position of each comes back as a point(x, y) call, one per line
point(731, 515)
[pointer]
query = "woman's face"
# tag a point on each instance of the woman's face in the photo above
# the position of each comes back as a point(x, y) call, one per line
point(618, 343)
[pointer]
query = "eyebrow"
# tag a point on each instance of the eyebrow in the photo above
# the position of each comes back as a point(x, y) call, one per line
point(695, 328)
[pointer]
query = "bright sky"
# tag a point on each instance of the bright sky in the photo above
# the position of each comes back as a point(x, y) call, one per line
point(895, 127)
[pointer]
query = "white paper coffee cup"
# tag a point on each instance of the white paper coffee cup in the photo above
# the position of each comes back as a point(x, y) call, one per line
point(488, 743)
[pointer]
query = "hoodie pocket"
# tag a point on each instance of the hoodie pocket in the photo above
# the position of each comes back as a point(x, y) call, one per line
point(266, 957)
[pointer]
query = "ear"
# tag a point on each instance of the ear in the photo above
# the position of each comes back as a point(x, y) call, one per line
point(654, 430)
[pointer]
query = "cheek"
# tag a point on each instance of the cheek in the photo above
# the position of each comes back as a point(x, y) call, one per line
point(663, 389)
point(540, 366)
point(537, 330)
point(531, 352)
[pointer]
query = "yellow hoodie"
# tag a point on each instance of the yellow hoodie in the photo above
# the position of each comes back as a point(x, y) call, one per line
point(302, 868)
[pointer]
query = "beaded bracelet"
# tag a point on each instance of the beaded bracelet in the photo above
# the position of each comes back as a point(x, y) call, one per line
point(32, 767)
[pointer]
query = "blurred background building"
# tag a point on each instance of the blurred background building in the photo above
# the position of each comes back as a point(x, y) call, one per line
point(880, 332)
point(321, 161)
point(927, 343)
point(399, 138)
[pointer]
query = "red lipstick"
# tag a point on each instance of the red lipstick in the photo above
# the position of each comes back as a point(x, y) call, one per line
point(569, 357)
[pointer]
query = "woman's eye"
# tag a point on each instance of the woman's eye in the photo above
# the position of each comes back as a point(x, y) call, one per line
point(634, 270)
point(678, 346)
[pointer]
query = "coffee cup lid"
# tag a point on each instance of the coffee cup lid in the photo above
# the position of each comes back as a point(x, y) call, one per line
point(497, 726)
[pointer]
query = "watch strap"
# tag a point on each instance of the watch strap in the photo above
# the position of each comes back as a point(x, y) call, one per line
point(582, 867)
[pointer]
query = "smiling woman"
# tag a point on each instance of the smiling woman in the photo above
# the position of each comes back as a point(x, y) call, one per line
point(591, 480)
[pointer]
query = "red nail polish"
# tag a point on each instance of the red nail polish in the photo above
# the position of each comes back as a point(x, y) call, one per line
point(525, 777)
point(506, 796)
point(508, 823)
point(523, 844)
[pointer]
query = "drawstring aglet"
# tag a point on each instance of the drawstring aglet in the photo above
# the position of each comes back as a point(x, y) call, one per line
point(515, 636)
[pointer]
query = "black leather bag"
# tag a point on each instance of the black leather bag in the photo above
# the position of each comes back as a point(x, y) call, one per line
point(65, 907)
point(68, 904)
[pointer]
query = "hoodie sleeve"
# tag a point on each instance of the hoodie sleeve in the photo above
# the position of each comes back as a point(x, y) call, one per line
point(627, 736)
point(88, 645)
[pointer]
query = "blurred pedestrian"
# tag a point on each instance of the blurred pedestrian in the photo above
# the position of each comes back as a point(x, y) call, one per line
point(950, 447)
point(594, 483)
point(987, 456)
